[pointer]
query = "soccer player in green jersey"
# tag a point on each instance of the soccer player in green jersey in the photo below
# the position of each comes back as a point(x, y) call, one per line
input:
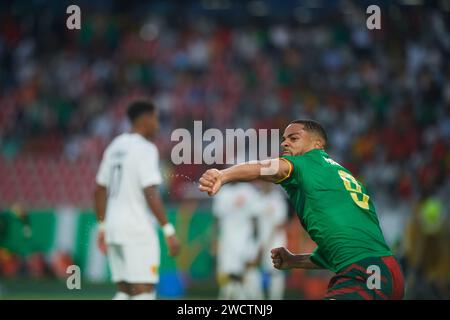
point(333, 207)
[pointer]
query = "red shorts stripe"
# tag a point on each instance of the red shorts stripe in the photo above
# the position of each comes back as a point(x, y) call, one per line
point(354, 289)
point(352, 280)
point(381, 294)
point(365, 295)
point(360, 268)
point(397, 277)
point(345, 290)
point(341, 280)
point(354, 266)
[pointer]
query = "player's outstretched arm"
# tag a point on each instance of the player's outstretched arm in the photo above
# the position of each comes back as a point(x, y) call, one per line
point(272, 170)
point(283, 259)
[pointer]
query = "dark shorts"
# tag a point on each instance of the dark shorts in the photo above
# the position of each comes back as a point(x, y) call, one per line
point(358, 282)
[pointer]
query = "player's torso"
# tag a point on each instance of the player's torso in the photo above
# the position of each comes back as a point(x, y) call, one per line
point(335, 208)
point(325, 186)
point(238, 205)
point(127, 210)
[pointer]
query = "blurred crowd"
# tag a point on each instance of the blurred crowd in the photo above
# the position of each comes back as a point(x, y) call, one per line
point(383, 95)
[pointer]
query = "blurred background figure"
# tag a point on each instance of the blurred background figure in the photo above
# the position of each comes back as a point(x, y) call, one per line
point(426, 251)
point(24, 219)
point(272, 223)
point(235, 209)
point(128, 204)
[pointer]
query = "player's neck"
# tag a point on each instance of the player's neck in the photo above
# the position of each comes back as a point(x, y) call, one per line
point(311, 149)
point(139, 132)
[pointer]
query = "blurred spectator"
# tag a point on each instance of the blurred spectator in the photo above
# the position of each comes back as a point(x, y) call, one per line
point(426, 257)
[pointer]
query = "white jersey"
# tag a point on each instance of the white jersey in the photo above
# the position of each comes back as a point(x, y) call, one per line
point(130, 163)
point(235, 207)
point(273, 215)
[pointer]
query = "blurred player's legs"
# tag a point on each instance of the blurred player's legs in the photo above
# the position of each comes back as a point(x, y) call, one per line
point(273, 216)
point(230, 270)
point(276, 285)
point(134, 269)
point(142, 291)
point(253, 284)
point(234, 208)
point(231, 287)
point(253, 280)
point(231, 267)
point(122, 291)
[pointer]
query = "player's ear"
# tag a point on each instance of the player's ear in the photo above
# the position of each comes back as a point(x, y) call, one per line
point(319, 143)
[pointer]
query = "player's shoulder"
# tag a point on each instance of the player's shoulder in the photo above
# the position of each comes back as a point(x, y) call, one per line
point(142, 145)
point(313, 156)
point(116, 143)
point(148, 149)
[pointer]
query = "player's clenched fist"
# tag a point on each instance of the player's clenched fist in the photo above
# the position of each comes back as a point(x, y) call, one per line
point(281, 258)
point(211, 181)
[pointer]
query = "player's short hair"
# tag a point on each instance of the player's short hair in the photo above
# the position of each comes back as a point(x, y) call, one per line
point(313, 126)
point(138, 108)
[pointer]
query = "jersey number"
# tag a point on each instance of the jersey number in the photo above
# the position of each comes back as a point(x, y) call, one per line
point(352, 186)
point(116, 177)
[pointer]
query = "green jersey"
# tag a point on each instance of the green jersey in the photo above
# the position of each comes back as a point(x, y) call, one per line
point(335, 209)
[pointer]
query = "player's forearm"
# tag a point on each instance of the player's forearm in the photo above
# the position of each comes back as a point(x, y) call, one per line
point(241, 172)
point(156, 205)
point(100, 196)
point(271, 170)
point(303, 261)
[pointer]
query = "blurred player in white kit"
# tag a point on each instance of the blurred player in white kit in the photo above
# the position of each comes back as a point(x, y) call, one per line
point(273, 214)
point(126, 197)
point(235, 209)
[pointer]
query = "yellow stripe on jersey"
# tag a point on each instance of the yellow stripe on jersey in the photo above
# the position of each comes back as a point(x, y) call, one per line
point(291, 168)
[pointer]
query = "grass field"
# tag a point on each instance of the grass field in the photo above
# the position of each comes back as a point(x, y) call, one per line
point(52, 290)
point(29, 289)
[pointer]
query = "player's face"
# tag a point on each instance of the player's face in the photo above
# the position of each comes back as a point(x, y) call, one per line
point(296, 140)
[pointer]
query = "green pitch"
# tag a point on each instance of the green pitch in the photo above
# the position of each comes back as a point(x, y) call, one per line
point(52, 289)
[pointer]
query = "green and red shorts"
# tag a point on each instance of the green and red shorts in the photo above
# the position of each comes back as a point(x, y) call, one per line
point(357, 281)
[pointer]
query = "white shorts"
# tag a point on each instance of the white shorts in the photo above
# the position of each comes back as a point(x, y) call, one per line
point(134, 263)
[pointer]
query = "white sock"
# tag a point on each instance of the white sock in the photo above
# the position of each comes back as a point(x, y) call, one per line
point(121, 296)
point(145, 296)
